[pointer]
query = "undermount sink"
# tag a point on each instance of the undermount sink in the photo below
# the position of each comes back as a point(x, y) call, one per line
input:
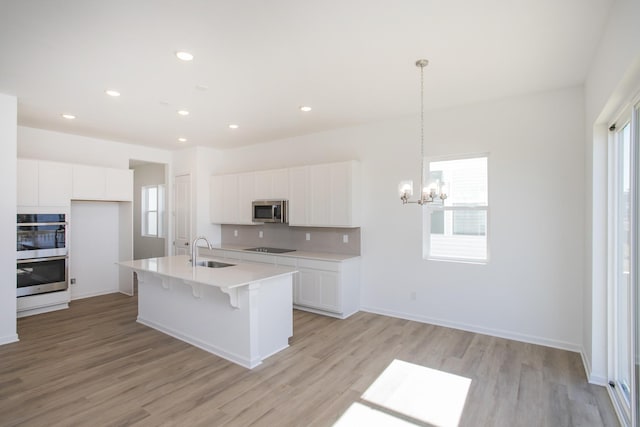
point(213, 264)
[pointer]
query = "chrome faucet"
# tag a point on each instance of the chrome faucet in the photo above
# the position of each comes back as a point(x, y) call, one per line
point(194, 249)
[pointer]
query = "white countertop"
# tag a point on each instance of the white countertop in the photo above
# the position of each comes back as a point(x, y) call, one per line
point(179, 267)
point(322, 256)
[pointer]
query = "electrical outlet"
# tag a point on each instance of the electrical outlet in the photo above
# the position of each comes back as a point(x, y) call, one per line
point(260, 234)
point(308, 236)
point(345, 238)
point(72, 281)
point(413, 296)
point(235, 233)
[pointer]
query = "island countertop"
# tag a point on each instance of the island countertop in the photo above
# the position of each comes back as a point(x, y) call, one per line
point(179, 267)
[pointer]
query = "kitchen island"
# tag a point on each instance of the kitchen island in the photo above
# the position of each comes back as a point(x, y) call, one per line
point(243, 313)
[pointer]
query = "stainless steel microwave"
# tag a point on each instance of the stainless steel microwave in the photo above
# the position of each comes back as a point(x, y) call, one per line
point(270, 211)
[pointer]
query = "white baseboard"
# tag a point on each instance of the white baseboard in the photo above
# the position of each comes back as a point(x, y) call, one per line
point(94, 294)
point(531, 339)
point(9, 339)
point(591, 378)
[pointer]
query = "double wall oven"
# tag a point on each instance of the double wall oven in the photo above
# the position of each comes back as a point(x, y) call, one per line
point(42, 255)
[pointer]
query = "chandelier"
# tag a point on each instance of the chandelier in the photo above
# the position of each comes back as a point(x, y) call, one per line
point(434, 190)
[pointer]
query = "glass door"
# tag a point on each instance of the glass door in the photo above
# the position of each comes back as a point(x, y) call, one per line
point(623, 265)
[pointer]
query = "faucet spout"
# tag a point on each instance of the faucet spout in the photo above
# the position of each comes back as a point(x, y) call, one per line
point(194, 249)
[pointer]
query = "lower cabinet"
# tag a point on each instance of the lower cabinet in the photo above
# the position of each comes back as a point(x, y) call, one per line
point(331, 288)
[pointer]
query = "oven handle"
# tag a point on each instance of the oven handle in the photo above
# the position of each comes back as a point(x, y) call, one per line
point(52, 258)
point(33, 224)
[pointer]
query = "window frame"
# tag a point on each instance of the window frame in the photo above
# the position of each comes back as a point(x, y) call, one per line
point(145, 211)
point(438, 205)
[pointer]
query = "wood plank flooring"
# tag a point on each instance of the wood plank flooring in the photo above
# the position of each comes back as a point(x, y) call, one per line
point(94, 365)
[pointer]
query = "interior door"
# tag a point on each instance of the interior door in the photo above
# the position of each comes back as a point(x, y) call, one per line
point(182, 215)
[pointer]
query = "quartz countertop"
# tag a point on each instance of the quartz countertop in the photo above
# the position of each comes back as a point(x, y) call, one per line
point(322, 256)
point(179, 267)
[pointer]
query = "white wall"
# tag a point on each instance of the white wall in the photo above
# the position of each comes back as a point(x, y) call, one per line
point(94, 249)
point(531, 289)
point(613, 75)
point(8, 123)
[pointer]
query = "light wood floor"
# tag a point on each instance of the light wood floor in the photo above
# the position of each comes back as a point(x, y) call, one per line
point(94, 365)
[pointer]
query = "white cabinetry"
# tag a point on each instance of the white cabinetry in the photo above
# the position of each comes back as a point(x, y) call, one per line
point(231, 197)
point(331, 288)
point(97, 183)
point(272, 184)
point(325, 195)
point(43, 183)
point(27, 182)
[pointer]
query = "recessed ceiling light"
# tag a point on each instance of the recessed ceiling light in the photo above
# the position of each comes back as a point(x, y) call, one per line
point(182, 139)
point(233, 126)
point(112, 92)
point(69, 116)
point(183, 112)
point(185, 56)
point(305, 108)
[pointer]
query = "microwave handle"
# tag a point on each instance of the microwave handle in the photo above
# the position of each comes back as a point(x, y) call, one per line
point(273, 211)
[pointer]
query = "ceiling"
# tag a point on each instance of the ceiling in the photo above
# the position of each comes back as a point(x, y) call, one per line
point(256, 62)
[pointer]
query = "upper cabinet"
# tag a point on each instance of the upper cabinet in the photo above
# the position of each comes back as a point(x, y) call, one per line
point(43, 183)
point(271, 185)
point(326, 195)
point(97, 183)
point(231, 197)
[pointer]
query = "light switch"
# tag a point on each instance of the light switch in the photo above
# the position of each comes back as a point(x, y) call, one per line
point(308, 236)
point(345, 238)
point(260, 234)
point(235, 233)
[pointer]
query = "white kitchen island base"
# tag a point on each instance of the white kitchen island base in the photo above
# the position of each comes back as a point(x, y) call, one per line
point(244, 323)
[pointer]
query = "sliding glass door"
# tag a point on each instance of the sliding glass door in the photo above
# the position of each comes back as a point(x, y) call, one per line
point(623, 263)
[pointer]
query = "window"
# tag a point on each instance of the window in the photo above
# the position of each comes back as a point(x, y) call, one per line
point(456, 229)
point(152, 209)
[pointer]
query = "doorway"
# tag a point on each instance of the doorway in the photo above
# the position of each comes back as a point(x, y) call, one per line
point(149, 208)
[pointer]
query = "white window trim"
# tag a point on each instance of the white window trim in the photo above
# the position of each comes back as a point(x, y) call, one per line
point(145, 210)
point(426, 218)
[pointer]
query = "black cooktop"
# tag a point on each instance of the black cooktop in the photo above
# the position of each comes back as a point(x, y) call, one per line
point(270, 250)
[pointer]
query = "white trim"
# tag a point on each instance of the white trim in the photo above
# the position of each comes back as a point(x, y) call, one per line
point(498, 333)
point(592, 379)
point(9, 339)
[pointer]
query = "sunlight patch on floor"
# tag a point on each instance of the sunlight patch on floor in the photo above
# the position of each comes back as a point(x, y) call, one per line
point(412, 391)
point(362, 415)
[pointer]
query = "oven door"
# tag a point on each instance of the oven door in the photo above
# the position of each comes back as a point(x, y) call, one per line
point(41, 275)
point(39, 240)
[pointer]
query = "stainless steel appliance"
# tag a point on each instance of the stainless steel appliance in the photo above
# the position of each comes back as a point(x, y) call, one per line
point(269, 250)
point(41, 252)
point(270, 211)
point(41, 235)
point(41, 275)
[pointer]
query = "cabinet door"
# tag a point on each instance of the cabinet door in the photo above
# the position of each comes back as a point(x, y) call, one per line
point(330, 291)
point(280, 184)
point(272, 185)
point(215, 199)
point(119, 185)
point(298, 196)
point(230, 200)
point(27, 189)
point(89, 182)
point(320, 193)
point(54, 183)
point(245, 197)
point(309, 291)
